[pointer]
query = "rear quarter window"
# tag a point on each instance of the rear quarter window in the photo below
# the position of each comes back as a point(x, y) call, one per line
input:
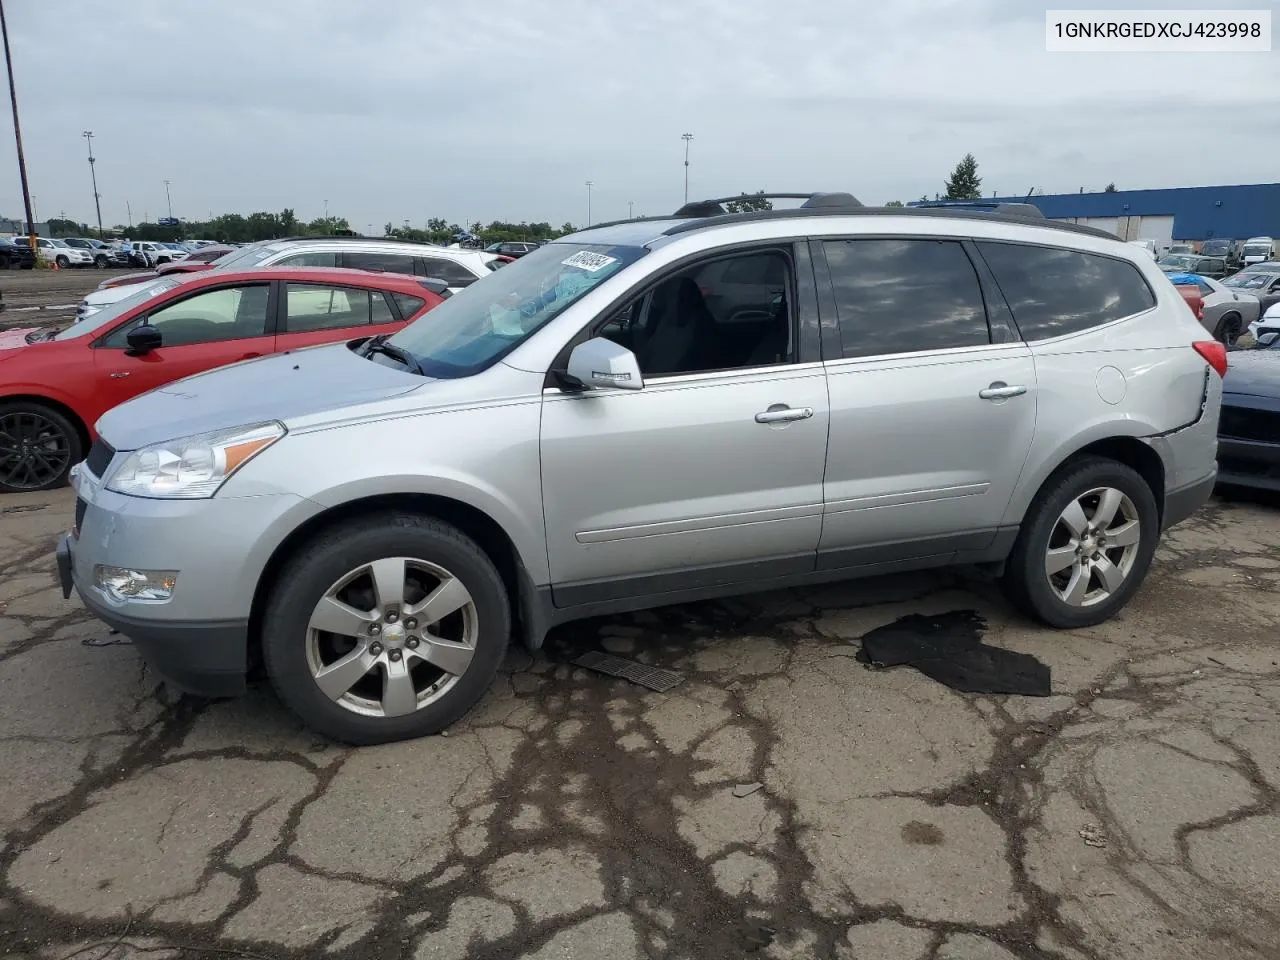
point(1053, 292)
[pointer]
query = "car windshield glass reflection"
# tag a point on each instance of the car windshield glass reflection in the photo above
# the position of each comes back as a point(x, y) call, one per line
point(477, 327)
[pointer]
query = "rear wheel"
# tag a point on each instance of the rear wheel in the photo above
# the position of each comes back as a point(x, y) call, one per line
point(38, 446)
point(1085, 544)
point(1229, 330)
point(385, 628)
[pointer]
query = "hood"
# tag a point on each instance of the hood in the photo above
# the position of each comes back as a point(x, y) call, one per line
point(283, 387)
point(1253, 373)
point(11, 340)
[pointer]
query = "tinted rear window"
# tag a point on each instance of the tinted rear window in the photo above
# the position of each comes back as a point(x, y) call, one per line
point(899, 296)
point(1054, 292)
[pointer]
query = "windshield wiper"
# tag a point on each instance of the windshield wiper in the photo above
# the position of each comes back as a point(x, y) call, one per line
point(379, 344)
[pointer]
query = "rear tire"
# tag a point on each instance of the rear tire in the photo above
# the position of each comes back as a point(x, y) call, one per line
point(1099, 561)
point(377, 572)
point(38, 447)
point(1229, 329)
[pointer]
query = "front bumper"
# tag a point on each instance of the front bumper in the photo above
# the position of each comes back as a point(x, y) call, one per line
point(207, 658)
point(199, 639)
point(1249, 463)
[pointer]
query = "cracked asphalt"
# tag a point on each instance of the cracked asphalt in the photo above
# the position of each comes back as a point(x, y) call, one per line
point(1135, 813)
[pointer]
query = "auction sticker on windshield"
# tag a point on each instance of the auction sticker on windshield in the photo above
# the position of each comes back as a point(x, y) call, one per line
point(586, 260)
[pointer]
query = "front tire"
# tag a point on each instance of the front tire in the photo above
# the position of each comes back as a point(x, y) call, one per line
point(1085, 544)
point(100, 262)
point(62, 262)
point(38, 446)
point(385, 628)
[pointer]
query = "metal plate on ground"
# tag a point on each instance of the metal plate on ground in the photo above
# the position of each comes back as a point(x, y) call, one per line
point(655, 678)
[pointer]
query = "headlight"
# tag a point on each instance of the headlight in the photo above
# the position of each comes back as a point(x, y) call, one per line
point(191, 468)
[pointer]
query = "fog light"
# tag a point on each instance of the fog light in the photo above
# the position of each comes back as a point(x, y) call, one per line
point(124, 583)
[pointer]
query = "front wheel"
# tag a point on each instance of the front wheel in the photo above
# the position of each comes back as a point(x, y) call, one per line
point(38, 447)
point(385, 628)
point(62, 262)
point(100, 262)
point(1085, 544)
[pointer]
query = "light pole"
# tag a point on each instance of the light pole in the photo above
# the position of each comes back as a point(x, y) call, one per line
point(27, 200)
point(631, 205)
point(326, 212)
point(686, 137)
point(97, 198)
point(168, 199)
point(588, 203)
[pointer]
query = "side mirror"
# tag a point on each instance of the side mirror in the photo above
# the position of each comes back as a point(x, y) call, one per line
point(601, 364)
point(143, 339)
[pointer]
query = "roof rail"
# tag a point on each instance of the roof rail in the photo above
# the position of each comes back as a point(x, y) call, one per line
point(420, 243)
point(713, 208)
point(1008, 209)
point(949, 210)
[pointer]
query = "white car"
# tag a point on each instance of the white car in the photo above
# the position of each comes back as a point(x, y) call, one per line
point(457, 268)
point(58, 252)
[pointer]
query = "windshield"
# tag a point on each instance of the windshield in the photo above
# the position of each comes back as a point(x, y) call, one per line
point(1216, 248)
point(249, 256)
point(57, 243)
point(1250, 281)
point(477, 327)
point(1257, 249)
point(1181, 263)
point(113, 311)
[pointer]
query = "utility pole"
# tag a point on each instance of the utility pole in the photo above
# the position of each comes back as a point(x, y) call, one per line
point(97, 199)
point(128, 211)
point(588, 203)
point(326, 211)
point(27, 200)
point(686, 137)
point(168, 199)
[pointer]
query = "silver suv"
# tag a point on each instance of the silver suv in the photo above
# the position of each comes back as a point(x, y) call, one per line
point(644, 413)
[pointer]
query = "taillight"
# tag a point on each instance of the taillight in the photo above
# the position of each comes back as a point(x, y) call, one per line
point(1214, 353)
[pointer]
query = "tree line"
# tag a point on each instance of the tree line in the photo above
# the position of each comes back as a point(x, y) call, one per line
point(237, 228)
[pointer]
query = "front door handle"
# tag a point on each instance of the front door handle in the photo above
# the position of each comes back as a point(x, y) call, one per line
point(1001, 391)
point(781, 413)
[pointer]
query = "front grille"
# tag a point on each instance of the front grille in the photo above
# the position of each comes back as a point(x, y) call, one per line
point(99, 458)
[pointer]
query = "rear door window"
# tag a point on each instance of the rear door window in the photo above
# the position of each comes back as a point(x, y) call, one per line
point(384, 262)
point(1053, 292)
point(454, 274)
point(904, 295)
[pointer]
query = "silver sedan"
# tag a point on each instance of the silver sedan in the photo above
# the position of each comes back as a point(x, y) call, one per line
point(1227, 312)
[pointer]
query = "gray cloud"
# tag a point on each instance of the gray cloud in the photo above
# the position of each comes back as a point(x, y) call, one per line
point(504, 109)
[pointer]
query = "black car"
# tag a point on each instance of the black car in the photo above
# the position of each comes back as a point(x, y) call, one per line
point(511, 248)
point(1262, 280)
point(14, 255)
point(1249, 427)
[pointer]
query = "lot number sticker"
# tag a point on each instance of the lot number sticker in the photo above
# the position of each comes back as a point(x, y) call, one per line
point(586, 260)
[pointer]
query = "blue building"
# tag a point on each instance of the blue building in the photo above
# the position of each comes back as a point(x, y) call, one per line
point(1183, 213)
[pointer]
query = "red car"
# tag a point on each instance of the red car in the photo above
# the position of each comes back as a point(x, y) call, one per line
point(202, 259)
point(54, 385)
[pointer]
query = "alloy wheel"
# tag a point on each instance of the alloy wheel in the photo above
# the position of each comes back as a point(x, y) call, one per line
point(1093, 547)
point(392, 636)
point(34, 451)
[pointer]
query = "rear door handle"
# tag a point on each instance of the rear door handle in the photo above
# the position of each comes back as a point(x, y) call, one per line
point(781, 413)
point(1001, 391)
point(250, 356)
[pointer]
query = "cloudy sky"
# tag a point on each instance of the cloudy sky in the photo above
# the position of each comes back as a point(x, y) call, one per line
point(502, 109)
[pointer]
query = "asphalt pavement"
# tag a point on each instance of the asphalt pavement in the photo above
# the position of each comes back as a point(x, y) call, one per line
point(783, 801)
